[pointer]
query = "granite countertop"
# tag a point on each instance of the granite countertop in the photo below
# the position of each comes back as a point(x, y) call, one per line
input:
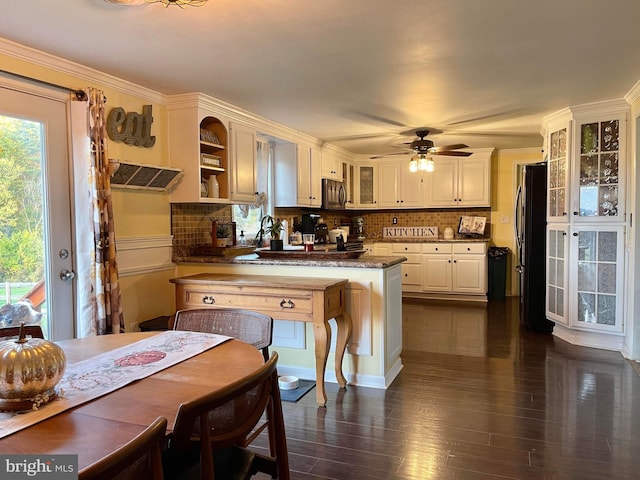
point(365, 261)
point(426, 240)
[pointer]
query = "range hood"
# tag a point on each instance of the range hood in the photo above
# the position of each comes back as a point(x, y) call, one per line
point(143, 176)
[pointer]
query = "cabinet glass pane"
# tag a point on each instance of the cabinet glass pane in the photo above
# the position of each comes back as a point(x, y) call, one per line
point(607, 278)
point(552, 246)
point(560, 274)
point(557, 173)
point(587, 276)
point(587, 246)
point(587, 307)
point(610, 134)
point(560, 301)
point(366, 185)
point(607, 246)
point(599, 169)
point(552, 271)
point(606, 309)
point(551, 294)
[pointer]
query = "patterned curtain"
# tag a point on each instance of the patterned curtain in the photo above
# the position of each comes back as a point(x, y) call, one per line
point(104, 290)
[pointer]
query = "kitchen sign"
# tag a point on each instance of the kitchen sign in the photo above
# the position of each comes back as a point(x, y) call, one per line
point(410, 232)
point(130, 127)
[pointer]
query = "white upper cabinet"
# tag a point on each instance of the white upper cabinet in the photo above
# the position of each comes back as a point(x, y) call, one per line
point(243, 163)
point(198, 143)
point(297, 179)
point(399, 187)
point(460, 181)
point(557, 152)
point(366, 184)
point(598, 182)
point(331, 166)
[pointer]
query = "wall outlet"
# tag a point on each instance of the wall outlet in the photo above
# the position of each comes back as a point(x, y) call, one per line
point(395, 220)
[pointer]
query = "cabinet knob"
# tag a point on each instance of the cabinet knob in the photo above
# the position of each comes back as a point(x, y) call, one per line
point(436, 249)
point(575, 213)
point(208, 300)
point(455, 261)
point(448, 261)
point(468, 249)
point(287, 304)
point(575, 234)
point(564, 214)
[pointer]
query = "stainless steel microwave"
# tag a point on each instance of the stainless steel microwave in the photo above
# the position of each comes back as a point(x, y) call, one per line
point(334, 195)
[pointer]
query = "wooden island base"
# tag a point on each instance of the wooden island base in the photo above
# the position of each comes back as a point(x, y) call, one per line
point(314, 300)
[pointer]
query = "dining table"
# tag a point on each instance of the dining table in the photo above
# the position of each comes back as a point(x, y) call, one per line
point(99, 426)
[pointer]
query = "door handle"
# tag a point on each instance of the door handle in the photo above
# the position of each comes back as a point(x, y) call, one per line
point(67, 275)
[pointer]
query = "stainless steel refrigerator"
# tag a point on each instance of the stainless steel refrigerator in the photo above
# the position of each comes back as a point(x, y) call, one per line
point(530, 221)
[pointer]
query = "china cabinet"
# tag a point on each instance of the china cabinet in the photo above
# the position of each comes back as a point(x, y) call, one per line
point(460, 181)
point(557, 273)
point(596, 264)
point(586, 152)
point(558, 142)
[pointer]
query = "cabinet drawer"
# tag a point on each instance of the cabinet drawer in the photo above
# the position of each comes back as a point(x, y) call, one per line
point(478, 248)
point(406, 248)
point(292, 302)
point(412, 258)
point(436, 248)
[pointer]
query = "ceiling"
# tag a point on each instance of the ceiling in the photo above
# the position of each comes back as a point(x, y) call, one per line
point(357, 73)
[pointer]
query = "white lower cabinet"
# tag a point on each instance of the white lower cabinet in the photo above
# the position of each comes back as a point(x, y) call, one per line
point(412, 268)
point(454, 268)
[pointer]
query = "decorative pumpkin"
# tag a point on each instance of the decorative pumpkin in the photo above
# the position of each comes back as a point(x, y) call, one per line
point(30, 368)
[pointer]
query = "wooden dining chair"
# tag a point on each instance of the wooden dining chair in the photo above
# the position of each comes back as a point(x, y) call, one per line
point(139, 459)
point(248, 326)
point(209, 432)
point(33, 331)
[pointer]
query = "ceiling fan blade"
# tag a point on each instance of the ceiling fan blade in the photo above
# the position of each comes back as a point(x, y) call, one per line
point(391, 155)
point(455, 146)
point(452, 153)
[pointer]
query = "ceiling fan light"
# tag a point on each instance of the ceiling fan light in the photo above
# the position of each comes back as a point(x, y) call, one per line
point(429, 165)
point(413, 165)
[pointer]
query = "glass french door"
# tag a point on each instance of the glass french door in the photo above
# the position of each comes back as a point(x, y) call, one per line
point(36, 254)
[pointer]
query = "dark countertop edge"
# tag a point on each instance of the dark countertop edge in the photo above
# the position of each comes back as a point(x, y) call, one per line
point(366, 261)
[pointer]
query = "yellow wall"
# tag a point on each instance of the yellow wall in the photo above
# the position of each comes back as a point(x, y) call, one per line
point(137, 213)
point(503, 187)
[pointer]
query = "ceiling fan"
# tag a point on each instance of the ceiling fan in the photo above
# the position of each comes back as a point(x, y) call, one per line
point(423, 147)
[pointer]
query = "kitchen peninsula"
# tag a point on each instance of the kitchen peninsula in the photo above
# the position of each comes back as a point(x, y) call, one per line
point(373, 300)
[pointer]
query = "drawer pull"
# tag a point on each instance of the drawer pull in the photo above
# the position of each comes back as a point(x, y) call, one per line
point(287, 304)
point(208, 300)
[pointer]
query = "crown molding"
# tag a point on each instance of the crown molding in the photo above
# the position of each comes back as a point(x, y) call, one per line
point(90, 75)
point(633, 94)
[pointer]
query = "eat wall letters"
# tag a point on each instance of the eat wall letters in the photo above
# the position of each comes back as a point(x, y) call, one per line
point(131, 128)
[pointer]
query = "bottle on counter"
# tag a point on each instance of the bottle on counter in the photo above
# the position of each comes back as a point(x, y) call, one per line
point(242, 241)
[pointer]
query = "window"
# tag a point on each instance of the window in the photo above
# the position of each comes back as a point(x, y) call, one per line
point(247, 217)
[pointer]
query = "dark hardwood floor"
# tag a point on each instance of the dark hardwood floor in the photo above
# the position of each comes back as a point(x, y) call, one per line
point(479, 398)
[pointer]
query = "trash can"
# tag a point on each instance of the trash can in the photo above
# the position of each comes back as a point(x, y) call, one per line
point(497, 273)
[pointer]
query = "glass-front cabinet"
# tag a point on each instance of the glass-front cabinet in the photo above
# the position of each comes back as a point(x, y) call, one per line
point(597, 262)
point(557, 273)
point(558, 171)
point(599, 159)
point(367, 183)
point(586, 222)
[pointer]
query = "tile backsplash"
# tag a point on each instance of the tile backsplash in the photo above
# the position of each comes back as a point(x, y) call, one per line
point(374, 221)
point(191, 222)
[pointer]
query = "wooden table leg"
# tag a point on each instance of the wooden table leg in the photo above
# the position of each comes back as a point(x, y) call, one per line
point(322, 338)
point(342, 337)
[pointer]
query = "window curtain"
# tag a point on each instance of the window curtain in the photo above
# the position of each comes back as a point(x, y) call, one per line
point(99, 306)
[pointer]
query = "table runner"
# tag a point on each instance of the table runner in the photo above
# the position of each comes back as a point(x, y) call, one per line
point(96, 376)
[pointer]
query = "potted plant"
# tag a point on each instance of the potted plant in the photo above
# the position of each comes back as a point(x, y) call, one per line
point(273, 228)
point(223, 231)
